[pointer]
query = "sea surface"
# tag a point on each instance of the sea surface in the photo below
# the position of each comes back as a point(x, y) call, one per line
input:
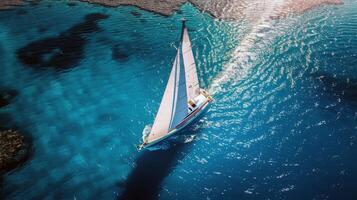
point(283, 124)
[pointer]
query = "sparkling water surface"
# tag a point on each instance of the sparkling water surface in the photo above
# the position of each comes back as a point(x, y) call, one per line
point(282, 125)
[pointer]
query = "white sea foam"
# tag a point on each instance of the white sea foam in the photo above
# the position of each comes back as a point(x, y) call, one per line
point(189, 138)
point(146, 131)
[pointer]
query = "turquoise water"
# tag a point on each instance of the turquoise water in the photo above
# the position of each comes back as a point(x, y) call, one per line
point(282, 126)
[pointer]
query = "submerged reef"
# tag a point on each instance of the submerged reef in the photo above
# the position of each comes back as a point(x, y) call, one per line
point(6, 96)
point(118, 54)
point(64, 51)
point(14, 146)
point(14, 149)
point(223, 9)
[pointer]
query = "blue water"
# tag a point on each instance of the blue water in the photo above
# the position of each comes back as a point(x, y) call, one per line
point(284, 129)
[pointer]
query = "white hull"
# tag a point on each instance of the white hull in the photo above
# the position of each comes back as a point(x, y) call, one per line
point(192, 117)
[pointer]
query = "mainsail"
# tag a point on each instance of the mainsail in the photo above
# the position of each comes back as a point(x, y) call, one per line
point(190, 65)
point(182, 86)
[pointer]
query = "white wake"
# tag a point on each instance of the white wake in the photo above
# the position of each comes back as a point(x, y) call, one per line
point(260, 16)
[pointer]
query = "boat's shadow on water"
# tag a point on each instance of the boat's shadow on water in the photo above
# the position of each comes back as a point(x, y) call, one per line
point(151, 168)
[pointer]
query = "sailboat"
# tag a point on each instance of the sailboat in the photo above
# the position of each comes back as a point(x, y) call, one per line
point(183, 100)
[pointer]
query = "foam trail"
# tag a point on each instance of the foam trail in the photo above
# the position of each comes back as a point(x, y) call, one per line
point(260, 17)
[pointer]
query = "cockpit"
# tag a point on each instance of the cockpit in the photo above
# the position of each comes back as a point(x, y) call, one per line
point(191, 105)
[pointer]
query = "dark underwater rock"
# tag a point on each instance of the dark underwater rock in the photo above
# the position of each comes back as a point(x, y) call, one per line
point(14, 149)
point(71, 4)
point(135, 13)
point(143, 20)
point(119, 54)
point(21, 12)
point(6, 96)
point(64, 51)
point(42, 29)
point(34, 2)
point(6, 121)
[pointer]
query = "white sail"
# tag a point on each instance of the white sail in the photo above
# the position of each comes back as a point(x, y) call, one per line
point(180, 106)
point(192, 83)
point(173, 108)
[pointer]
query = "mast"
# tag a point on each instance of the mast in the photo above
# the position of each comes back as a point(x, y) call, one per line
point(183, 27)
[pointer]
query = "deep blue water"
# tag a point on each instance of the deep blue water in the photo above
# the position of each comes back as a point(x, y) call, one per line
point(282, 126)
